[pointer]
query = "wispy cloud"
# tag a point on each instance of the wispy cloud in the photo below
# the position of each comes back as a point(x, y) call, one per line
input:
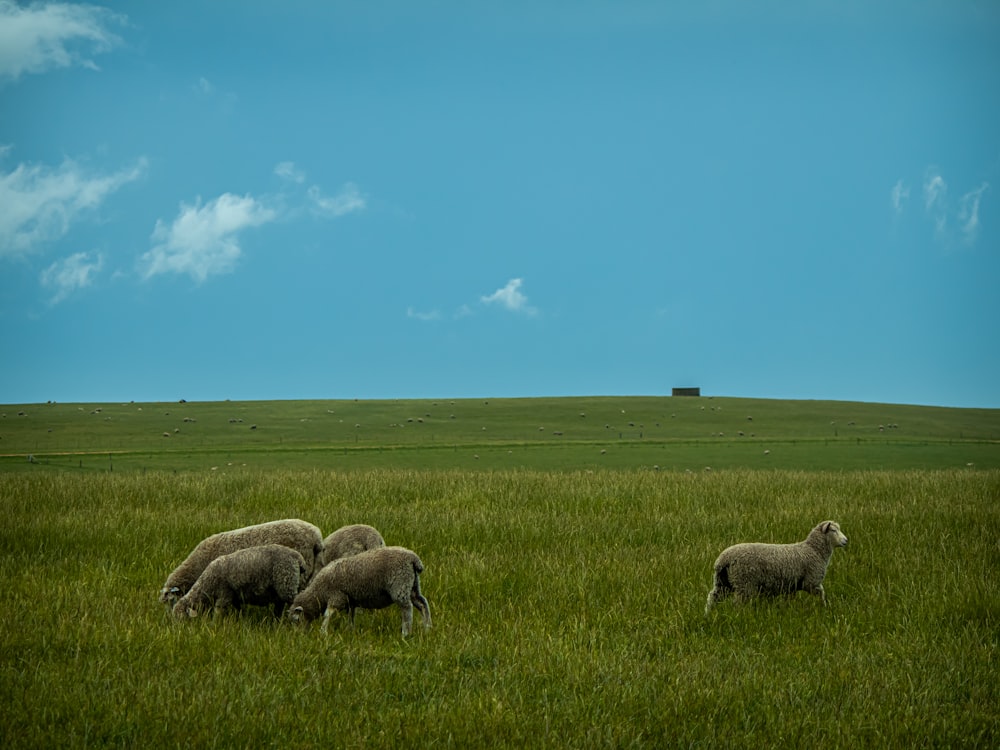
point(936, 199)
point(38, 204)
point(510, 297)
point(287, 170)
point(204, 240)
point(42, 36)
point(424, 316)
point(950, 223)
point(209, 92)
point(899, 194)
point(69, 274)
point(349, 199)
point(968, 212)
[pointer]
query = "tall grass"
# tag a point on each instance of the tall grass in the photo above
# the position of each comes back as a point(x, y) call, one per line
point(568, 611)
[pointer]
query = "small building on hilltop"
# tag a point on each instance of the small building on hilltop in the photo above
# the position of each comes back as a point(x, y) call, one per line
point(686, 392)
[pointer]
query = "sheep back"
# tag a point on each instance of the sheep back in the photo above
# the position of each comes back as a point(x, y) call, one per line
point(299, 535)
point(260, 576)
point(349, 540)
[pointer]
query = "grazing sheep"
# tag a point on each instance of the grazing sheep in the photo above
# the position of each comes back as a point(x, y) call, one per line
point(751, 569)
point(349, 540)
point(291, 532)
point(261, 576)
point(371, 580)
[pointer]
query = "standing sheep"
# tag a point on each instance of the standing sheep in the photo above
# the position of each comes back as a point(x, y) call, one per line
point(260, 576)
point(290, 532)
point(370, 580)
point(349, 540)
point(752, 569)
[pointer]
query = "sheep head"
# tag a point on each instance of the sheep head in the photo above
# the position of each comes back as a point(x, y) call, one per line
point(169, 596)
point(835, 537)
point(184, 609)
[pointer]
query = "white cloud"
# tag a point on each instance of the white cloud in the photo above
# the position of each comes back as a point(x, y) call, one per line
point(69, 274)
point(425, 316)
point(935, 190)
point(203, 240)
point(936, 199)
point(968, 212)
point(38, 204)
point(899, 194)
point(347, 200)
point(510, 297)
point(287, 170)
point(43, 36)
point(208, 92)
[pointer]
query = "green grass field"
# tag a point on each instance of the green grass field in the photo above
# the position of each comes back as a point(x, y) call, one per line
point(563, 434)
point(567, 596)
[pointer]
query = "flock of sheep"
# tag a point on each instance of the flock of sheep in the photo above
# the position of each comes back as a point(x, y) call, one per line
point(288, 563)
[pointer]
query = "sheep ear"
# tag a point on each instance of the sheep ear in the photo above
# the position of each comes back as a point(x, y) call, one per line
point(826, 526)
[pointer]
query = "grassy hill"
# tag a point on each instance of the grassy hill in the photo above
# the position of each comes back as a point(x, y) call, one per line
point(669, 433)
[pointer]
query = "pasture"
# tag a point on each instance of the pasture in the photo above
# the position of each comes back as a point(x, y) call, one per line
point(567, 599)
point(563, 434)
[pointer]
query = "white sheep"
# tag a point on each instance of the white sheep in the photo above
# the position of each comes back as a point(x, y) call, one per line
point(291, 532)
point(752, 569)
point(370, 580)
point(260, 576)
point(349, 540)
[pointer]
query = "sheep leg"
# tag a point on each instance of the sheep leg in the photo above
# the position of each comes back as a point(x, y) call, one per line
point(326, 620)
point(818, 591)
point(407, 609)
point(421, 604)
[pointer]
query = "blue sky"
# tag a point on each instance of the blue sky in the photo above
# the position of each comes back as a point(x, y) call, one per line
point(254, 200)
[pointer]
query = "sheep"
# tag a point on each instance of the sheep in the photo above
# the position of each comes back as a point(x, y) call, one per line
point(263, 575)
point(291, 532)
point(371, 580)
point(347, 541)
point(752, 569)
